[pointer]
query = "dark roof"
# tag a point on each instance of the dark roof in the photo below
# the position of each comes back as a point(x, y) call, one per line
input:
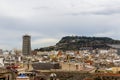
point(45, 66)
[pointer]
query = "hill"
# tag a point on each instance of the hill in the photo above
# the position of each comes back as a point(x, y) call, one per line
point(81, 42)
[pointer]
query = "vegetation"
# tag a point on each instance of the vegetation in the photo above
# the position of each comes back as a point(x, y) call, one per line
point(81, 42)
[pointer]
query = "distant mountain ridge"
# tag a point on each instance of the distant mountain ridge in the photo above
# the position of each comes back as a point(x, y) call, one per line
point(81, 42)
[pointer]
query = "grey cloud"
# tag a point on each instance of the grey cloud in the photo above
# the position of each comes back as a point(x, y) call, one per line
point(41, 8)
point(51, 23)
point(108, 11)
point(105, 11)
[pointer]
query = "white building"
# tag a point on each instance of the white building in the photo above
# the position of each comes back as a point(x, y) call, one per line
point(1, 62)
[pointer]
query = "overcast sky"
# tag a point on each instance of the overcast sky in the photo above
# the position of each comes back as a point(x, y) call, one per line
point(47, 21)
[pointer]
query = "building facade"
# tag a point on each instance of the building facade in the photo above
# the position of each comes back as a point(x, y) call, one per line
point(1, 52)
point(26, 47)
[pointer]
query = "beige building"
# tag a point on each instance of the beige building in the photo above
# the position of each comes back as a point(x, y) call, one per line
point(6, 74)
point(115, 69)
point(22, 78)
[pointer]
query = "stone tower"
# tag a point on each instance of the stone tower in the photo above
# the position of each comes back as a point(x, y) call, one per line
point(26, 47)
